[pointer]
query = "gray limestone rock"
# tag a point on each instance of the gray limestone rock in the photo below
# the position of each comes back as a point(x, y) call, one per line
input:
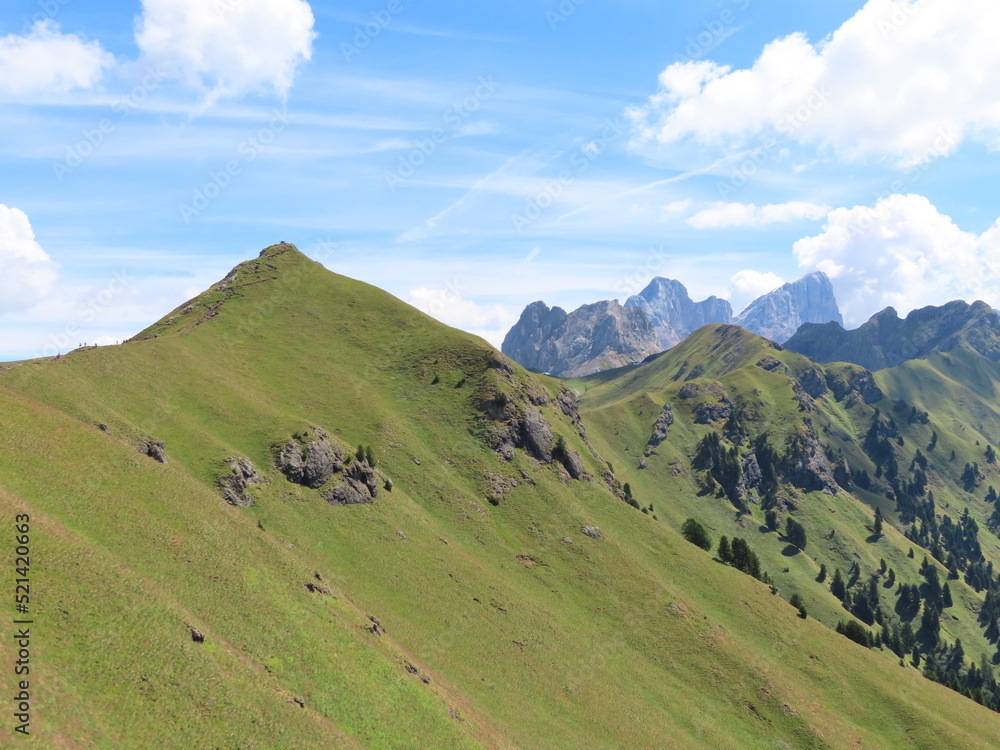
point(778, 314)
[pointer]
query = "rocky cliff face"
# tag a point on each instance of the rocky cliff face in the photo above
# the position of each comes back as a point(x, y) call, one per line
point(605, 334)
point(594, 337)
point(673, 314)
point(886, 340)
point(779, 314)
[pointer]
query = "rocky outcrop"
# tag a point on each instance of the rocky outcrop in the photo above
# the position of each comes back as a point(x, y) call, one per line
point(778, 314)
point(805, 465)
point(842, 474)
point(358, 485)
point(853, 380)
point(661, 430)
point(813, 382)
point(310, 463)
point(887, 341)
point(318, 463)
point(717, 412)
point(234, 486)
point(752, 475)
point(154, 449)
point(570, 461)
point(594, 337)
point(520, 424)
point(672, 312)
point(530, 432)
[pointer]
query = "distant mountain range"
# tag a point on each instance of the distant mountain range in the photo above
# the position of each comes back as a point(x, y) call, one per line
point(673, 314)
point(606, 334)
point(886, 340)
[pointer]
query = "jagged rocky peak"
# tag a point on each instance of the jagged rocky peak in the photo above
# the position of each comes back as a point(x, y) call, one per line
point(592, 338)
point(778, 314)
point(886, 340)
point(673, 314)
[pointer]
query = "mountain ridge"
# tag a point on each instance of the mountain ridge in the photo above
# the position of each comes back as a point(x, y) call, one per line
point(574, 344)
point(886, 340)
point(778, 314)
point(459, 605)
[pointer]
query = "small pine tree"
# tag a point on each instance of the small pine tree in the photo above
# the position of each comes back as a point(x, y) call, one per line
point(877, 528)
point(795, 533)
point(837, 587)
point(822, 574)
point(771, 520)
point(946, 597)
point(724, 552)
point(695, 533)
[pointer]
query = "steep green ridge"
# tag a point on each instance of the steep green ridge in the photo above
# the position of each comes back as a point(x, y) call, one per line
point(778, 393)
point(499, 622)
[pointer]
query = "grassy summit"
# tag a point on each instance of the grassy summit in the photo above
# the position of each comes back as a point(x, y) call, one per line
point(497, 621)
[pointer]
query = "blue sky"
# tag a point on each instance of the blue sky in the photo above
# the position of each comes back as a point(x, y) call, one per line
point(472, 158)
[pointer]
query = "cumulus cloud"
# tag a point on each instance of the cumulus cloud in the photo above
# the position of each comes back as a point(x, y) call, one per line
point(902, 79)
point(746, 286)
point(26, 271)
point(491, 322)
point(901, 252)
point(47, 60)
point(722, 215)
point(228, 47)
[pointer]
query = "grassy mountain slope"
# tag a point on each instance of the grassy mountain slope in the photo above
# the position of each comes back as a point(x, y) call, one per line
point(502, 624)
point(950, 396)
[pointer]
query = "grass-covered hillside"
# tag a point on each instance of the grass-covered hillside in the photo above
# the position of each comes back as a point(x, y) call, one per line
point(888, 475)
point(298, 513)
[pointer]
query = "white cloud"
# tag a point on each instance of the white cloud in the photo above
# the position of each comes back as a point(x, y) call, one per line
point(676, 209)
point(748, 285)
point(50, 61)
point(722, 215)
point(490, 322)
point(907, 80)
point(228, 47)
point(904, 253)
point(26, 271)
